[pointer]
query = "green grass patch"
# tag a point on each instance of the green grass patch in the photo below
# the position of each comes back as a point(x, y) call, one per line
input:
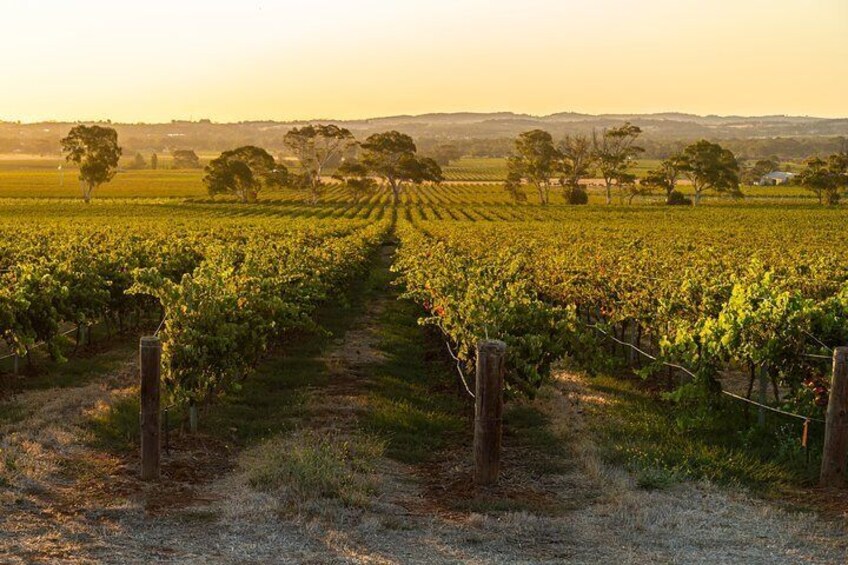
point(526, 427)
point(116, 427)
point(655, 479)
point(11, 411)
point(309, 466)
point(407, 401)
point(660, 442)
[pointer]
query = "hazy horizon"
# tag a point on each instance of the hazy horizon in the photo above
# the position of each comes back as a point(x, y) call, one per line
point(197, 119)
point(154, 62)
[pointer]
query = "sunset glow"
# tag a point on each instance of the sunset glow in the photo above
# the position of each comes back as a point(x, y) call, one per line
point(157, 60)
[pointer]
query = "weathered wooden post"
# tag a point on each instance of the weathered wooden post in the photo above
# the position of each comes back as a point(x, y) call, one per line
point(761, 414)
point(15, 362)
point(151, 363)
point(836, 424)
point(488, 411)
point(192, 417)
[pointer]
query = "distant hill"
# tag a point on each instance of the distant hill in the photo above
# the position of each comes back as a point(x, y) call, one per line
point(660, 129)
point(671, 125)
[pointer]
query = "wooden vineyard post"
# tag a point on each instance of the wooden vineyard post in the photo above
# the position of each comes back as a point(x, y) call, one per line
point(15, 363)
point(488, 411)
point(151, 363)
point(192, 417)
point(836, 424)
point(761, 414)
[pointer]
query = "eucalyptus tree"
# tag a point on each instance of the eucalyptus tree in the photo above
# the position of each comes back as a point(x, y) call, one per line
point(355, 179)
point(614, 151)
point(317, 146)
point(535, 161)
point(665, 176)
point(95, 150)
point(392, 156)
point(822, 178)
point(575, 152)
point(244, 172)
point(185, 159)
point(710, 167)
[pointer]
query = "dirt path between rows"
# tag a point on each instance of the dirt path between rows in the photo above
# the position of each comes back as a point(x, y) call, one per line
point(66, 501)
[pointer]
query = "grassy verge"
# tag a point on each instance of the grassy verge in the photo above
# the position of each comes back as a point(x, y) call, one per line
point(410, 398)
point(86, 367)
point(661, 442)
point(309, 467)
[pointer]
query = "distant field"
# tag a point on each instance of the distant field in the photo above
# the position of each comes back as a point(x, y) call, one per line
point(470, 180)
point(40, 177)
point(126, 184)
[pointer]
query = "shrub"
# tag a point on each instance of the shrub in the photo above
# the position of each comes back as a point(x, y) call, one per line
point(677, 198)
point(577, 195)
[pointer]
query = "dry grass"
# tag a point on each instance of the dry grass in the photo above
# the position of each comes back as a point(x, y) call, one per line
point(309, 468)
point(32, 448)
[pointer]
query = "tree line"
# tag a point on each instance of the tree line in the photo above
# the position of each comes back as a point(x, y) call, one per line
point(389, 158)
point(538, 163)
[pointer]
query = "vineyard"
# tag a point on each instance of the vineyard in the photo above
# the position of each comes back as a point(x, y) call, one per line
point(660, 309)
point(729, 289)
point(384, 282)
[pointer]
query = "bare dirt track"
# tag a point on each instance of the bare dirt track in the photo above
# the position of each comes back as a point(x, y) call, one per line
point(65, 501)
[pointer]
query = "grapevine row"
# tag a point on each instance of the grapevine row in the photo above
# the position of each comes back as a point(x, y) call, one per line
point(713, 293)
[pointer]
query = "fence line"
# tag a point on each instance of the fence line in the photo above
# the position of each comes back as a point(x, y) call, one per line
point(691, 374)
point(65, 333)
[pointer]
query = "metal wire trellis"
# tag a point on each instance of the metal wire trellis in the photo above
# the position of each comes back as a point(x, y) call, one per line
point(691, 374)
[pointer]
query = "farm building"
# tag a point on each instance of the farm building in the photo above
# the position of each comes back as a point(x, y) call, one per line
point(775, 178)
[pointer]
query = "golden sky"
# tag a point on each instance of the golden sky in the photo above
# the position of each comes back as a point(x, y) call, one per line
point(156, 60)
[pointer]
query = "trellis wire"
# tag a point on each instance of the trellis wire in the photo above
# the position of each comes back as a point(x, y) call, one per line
point(691, 374)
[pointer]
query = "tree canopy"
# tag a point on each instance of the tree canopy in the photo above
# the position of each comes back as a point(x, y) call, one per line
point(709, 166)
point(761, 168)
point(185, 159)
point(392, 156)
point(95, 150)
point(665, 176)
point(139, 162)
point(614, 151)
point(354, 177)
point(823, 178)
point(576, 161)
point(445, 154)
point(244, 172)
point(534, 161)
point(317, 146)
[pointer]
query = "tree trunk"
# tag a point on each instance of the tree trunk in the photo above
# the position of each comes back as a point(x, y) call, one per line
point(395, 186)
point(543, 196)
point(609, 193)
